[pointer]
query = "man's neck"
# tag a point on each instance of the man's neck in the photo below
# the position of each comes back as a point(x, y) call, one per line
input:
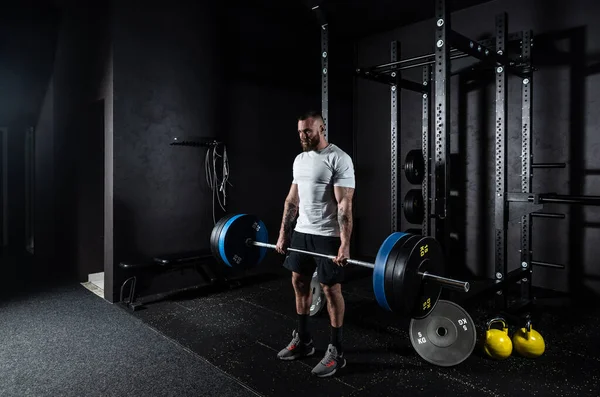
point(322, 145)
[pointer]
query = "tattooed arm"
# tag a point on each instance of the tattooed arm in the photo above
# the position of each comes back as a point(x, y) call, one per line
point(290, 211)
point(344, 197)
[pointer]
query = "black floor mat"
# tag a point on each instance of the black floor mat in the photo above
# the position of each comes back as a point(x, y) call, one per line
point(66, 341)
point(241, 330)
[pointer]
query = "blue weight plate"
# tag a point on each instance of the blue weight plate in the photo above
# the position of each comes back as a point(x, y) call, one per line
point(381, 261)
point(232, 241)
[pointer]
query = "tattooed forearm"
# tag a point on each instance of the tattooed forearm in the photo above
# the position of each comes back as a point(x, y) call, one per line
point(345, 221)
point(344, 196)
point(290, 210)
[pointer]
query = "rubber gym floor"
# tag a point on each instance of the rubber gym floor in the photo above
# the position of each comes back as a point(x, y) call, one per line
point(64, 340)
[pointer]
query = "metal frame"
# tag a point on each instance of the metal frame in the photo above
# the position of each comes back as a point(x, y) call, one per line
point(425, 148)
point(526, 165)
point(522, 206)
point(394, 144)
point(441, 168)
point(501, 216)
point(526, 203)
point(428, 59)
point(321, 17)
point(325, 77)
point(386, 78)
point(436, 128)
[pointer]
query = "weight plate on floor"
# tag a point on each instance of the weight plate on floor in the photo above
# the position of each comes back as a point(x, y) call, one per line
point(318, 296)
point(414, 166)
point(414, 296)
point(446, 337)
point(232, 241)
point(381, 261)
point(414, 206)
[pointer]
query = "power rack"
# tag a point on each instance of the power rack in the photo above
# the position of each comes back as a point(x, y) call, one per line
point(523, 205)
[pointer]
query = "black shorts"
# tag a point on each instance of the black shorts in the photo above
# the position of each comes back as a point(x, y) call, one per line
point(328, 272)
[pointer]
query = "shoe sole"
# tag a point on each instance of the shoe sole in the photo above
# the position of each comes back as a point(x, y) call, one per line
point(290, 358)
point(330, 373)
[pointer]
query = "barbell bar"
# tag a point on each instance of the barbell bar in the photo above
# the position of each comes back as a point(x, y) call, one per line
point(443, 281)
point(407, 272)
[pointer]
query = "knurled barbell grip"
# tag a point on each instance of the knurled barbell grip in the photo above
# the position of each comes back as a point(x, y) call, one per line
point(351, 261)
point(444, 281)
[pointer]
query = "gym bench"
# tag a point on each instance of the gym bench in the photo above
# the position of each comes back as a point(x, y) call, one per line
point(201, 260)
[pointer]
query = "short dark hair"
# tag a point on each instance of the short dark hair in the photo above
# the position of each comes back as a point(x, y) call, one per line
point(311, 114)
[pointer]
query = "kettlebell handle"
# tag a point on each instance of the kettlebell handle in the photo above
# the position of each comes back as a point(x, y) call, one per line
point(497, 320)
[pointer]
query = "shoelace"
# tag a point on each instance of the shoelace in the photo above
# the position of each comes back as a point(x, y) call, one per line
point(295, 341)
point(329, 357)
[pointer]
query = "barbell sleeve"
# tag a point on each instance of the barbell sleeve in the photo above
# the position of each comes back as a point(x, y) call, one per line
point(444, 281)
point(447, 282)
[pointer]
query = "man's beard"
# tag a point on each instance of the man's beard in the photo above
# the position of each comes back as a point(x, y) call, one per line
point(310, 144)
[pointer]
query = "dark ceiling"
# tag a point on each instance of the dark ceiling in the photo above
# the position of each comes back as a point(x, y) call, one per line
point(360, 18)
point(28, 31)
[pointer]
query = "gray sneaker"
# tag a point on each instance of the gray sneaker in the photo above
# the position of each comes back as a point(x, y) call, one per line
point(296, 349)
point(330, 363)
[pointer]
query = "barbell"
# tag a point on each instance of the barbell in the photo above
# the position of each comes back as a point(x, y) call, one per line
point(407, 272)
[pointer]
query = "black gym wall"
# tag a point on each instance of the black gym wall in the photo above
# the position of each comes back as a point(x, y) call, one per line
point(69, 148)
point(240, 73)
point(27, 52)
point(28, 38)
point(167, 84)
point(567, 44)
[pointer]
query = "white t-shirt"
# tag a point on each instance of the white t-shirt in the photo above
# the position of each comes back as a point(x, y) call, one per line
point(316, 173)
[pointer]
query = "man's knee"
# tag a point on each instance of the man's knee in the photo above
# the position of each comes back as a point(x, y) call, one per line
point(332, 291)
point(301, 283)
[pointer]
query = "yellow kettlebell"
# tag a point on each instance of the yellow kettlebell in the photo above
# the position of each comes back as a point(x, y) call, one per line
point(497, 341)
point(528, 342)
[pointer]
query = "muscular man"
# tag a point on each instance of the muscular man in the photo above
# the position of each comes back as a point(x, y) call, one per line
point(321, 196)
